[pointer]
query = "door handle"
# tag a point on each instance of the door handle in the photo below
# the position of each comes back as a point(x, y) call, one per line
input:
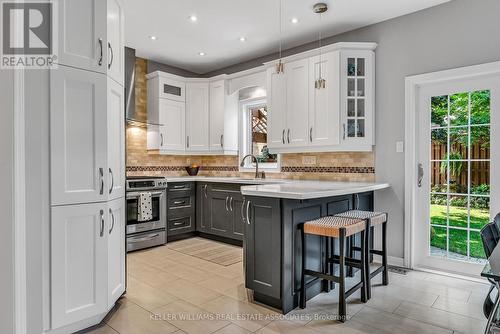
point(161, 139)
point(100, 47)
point(222, 140)
point(112, 55)
point(420, 174)
point(112, 181)
point(101, 233)
point(187, 141)
point(283, 136)
point(288, 136)
point(311, 134)
point(248, 212)
point(101, 178)
point(343, 127)
point(112, 221)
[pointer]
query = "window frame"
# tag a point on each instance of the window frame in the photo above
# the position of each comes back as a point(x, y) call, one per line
point(245, 141)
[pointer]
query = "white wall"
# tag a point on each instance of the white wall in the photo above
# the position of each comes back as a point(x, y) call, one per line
point(6, 203)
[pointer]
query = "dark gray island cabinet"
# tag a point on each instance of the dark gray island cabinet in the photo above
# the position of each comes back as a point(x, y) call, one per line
point(272, 244)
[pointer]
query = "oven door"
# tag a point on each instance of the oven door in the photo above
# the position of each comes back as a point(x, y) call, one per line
point(146, 240)
point(158, 221)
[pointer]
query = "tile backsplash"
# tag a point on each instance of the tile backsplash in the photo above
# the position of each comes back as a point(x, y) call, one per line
point(338, 166)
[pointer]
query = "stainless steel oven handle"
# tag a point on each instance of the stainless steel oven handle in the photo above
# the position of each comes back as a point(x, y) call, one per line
point(136, 194)
point(143, 239)
point(112, 221)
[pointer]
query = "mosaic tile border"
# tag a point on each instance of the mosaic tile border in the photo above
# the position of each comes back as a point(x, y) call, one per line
point(284, 169)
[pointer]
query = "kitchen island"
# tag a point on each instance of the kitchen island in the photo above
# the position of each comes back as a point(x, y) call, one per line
point(272, 246)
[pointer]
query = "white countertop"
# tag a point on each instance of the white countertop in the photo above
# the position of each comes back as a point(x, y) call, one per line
point(311, 189)
point(290, 189)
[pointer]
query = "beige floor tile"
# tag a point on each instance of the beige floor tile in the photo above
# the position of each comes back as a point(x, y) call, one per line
point(134, 320)
point(408, 293)
point(469, 309)
point(238, 292)
point(220, 283)
point(147, 296)
point(188, 272)
point(232, 329)
point(191, 292)
point(286, 327)
point(190, 318)
point(249, 316)
point(440, 318)
point(396, 324)
point(349, 327)
point(101, 329)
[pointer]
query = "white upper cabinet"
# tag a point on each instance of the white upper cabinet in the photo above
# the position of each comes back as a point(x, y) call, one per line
point(357, 99)
point(116, 249)
point(91, 36)
point(276, 104)
point(197, 116)
point(78, 135)
point(116, 41)
point(323, 103)
point(324, 116)
point(297, 103)
point(116, 140)
point(172, 131)
point(217, 111)
point(78, 263)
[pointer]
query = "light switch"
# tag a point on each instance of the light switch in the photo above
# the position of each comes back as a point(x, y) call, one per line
point(309, 160)
point(400, 147)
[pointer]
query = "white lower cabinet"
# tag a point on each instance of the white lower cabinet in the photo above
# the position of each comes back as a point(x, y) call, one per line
point(79, 247)
point(87, 260)
point(116, 250)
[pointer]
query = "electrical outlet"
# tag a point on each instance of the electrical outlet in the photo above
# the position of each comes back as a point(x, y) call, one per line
point(309, 160)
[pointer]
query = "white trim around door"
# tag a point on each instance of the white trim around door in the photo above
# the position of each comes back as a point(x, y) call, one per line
point(413, 84)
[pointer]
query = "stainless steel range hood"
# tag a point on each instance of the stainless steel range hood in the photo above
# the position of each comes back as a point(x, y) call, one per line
point(131, 115)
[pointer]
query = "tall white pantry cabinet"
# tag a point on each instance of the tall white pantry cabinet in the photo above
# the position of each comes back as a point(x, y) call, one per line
point(87, 155)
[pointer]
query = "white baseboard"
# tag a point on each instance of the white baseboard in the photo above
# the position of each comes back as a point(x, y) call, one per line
point(395, 261)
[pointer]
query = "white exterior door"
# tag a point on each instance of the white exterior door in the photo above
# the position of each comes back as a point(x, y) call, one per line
point(324, 105)
point(116, 250)
point(297, 102)
point(116, 41)
point(172, 132)
point(217, 112)
point(116, 140)
point(276, 108)
point(458, 183)
point(78, 136)
point(78, 263)
point(197, 105)
point(82, 39)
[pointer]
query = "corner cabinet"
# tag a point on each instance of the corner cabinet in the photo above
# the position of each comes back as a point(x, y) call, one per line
point(323, 102)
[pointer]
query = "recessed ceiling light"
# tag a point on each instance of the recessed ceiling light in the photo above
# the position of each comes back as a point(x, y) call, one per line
point(152, 38)
point(295, 20)
point(193, 18)
point(201, 53)
point(243, 39)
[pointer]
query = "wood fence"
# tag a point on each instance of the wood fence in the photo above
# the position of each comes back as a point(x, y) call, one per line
point(480, 170)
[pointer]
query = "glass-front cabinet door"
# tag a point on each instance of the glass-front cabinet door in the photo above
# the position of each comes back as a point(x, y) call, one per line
point(357, 96)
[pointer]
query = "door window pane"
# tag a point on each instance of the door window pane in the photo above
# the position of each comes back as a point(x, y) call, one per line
point(459, 109)
point(480, 107)
point(438, 241)
point(457, 244)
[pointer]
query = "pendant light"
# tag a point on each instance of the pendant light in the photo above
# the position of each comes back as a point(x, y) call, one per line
point(279, 66)
point(320, 8)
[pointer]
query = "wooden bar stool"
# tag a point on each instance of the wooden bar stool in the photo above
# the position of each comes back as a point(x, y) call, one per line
point(338, 228)
point(373, 219)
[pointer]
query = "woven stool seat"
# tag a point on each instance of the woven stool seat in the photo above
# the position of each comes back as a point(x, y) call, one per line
point(376, 218)
point(330, 226)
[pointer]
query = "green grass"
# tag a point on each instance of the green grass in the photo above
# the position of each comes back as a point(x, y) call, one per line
point(458, 238)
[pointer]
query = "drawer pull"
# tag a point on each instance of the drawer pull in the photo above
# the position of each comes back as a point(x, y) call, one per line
point(179, 202)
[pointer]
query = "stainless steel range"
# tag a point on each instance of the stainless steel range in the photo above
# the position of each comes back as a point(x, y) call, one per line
point(152, 232)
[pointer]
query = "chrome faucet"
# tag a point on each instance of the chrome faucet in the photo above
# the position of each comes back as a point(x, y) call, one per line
point(258, 175)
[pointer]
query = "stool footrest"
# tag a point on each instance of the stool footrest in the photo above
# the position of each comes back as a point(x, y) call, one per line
point(377, 271)
point(348, 261)
point(318, 274)
point(353, 289)
point(377, 252)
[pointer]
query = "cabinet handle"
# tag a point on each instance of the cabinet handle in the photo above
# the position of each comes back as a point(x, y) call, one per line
point(187, 141)
point(179, 187)
point(226, 204)
point(242, 211)
point(101, 233)
point(343, 127)
point(161, 139)
point(288, 136)
point(177, 224)
point(248, 212)
point(112, 221)
point(357, 202)
point(101, 178)
point(179, 202)
point(205, 193)
point(112, 55)
point(112, 181)
point(283, 136)
point(100, 47)
point(311, 134)
point(222, 140)
point(231, 204)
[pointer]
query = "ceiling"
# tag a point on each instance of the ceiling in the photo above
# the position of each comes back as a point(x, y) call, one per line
point(221, 23)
